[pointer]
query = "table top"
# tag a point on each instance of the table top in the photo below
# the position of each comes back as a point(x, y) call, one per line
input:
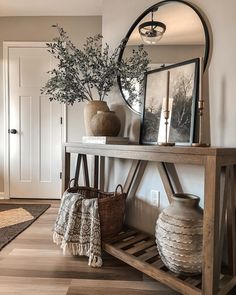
point(175, 154)
point(204, 151)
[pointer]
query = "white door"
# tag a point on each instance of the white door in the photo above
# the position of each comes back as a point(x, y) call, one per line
point(35, 128)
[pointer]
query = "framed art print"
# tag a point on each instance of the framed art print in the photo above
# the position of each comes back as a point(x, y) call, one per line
point(183, 95)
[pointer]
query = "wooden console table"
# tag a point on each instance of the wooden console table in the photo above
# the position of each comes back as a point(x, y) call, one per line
point(138, 249)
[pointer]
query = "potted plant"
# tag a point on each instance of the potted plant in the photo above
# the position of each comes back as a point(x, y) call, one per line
point(87, 74)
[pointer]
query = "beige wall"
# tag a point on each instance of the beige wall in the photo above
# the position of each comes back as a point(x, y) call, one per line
point(117, 19)
point(39, 29)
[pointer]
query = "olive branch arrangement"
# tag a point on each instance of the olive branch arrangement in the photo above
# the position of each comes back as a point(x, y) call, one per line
point(89, 73)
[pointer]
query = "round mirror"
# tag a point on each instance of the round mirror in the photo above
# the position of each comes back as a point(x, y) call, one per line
point(170, 31)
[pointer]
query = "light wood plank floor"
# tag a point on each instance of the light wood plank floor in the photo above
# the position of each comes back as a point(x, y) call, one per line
point(32, 264)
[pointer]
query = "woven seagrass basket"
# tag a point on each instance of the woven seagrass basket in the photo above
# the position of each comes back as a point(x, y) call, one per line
point(111, 206)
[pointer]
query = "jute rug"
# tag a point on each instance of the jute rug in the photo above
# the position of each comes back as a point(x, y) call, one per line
point(14, 218)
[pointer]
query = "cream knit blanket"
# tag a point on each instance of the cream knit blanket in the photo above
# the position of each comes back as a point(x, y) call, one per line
point(77, 228)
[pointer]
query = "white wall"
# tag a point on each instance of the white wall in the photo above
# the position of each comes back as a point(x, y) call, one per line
point(39, 29)
point(117, 19)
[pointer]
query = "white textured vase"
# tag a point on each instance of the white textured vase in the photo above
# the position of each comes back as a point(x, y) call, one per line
point(179, 233)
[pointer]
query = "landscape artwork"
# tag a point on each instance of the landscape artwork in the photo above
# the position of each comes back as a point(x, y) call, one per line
point(183, 92)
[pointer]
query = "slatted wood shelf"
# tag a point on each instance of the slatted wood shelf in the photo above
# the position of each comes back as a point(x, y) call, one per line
point(139, 250)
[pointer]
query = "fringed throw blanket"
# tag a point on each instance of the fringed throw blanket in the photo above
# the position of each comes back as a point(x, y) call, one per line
point(77, 228)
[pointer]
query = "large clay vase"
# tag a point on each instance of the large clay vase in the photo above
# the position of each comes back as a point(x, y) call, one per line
point(179, 233)
point(91, 108)
point(105, 124)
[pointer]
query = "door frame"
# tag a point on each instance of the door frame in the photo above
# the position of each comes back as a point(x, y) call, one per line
point(6, 108)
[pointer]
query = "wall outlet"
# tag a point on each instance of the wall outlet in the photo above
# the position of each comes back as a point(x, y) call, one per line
point(155, 198)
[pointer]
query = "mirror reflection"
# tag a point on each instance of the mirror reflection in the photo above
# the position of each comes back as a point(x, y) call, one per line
point(170, 33)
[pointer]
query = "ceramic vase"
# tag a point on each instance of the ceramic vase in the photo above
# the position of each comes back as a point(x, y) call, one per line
point(91, 108)
point(105, 124)
point(179, 234)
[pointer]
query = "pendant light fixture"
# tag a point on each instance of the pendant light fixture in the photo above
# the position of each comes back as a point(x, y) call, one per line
point(152, 31)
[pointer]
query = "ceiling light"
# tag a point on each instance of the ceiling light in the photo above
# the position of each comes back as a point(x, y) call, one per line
point(152, 31)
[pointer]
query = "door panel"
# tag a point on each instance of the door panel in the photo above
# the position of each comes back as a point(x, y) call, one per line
point(35, 150)
point(45, 139)
point(25, 123)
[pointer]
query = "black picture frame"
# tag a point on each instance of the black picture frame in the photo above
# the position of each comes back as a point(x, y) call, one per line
point(184, 92)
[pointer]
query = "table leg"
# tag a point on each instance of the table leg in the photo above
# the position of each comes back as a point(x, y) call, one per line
point(86, 172)
point(210, 270)
point(231, 229)
point(77, 169)
point(102, 173)
point(96, 171)
point(65, 169)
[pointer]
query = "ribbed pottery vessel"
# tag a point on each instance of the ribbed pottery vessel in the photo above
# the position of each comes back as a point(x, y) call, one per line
point(91, 108)
point(179, 232)
point(105, 124)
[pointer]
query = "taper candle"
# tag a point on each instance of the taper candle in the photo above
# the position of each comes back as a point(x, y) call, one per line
point(200, 98)
point(167, 91)
point(166, 113)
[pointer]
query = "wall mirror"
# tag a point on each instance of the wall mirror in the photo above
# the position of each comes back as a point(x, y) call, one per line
point(182, 35)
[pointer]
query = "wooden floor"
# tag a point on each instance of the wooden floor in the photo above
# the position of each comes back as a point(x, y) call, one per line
point(32, 264)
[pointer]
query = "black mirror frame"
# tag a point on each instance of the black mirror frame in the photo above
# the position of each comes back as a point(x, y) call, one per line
point(147, 11)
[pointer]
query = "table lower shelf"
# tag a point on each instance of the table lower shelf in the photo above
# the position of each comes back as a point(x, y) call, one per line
point(139, 250)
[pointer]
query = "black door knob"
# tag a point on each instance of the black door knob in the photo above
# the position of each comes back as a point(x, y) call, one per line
point(13, 131)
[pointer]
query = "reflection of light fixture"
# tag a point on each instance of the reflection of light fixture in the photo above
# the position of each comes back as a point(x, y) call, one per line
point(152, 31)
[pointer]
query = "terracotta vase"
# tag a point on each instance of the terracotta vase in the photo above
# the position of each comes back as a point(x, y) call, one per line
point(179, 233)
point(105, 124)
point(91, 108)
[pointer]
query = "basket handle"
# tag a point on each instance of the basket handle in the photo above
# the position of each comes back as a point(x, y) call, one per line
point(119, 186)
point(69, 184)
